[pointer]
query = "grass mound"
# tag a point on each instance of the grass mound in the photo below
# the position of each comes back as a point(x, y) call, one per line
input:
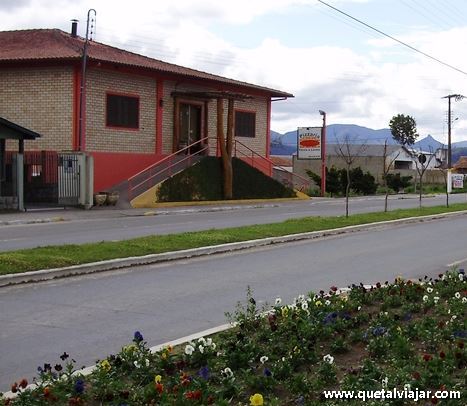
point(203, 182)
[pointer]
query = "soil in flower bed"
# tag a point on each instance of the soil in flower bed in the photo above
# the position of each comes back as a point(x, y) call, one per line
point(401, 336)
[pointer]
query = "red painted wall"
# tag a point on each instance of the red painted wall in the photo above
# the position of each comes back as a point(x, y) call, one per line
point(112, 168)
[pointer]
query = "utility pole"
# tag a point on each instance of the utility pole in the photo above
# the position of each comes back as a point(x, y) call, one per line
point(456, 97)
point(82, 92)
point(323, 154)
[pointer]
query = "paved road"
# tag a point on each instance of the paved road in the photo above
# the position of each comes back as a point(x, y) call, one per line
point(89, 227)
point(93, 316)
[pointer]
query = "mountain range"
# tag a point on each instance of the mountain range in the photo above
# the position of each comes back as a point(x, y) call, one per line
point(286, 144)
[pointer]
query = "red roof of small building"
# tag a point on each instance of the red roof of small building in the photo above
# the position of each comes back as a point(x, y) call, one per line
point(280, 160)
point(26, 46)
point(461, 163)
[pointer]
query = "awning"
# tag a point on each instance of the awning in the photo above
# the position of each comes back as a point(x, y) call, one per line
point(12, 131)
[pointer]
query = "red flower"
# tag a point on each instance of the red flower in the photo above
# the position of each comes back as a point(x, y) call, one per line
point(334, 288)
point(159, 388)
point(194, 395)
point(442, 355)
point(14, 387)
point(416, 375)
point(378, 285)
point(46, 392)
point(427, 357)
point(23, 383)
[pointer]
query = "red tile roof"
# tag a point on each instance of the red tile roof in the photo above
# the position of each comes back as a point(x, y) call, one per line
point(25, 46)
point(461, 163)
point(281, 161)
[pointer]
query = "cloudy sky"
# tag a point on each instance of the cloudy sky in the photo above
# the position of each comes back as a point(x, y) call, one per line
point(327, 60)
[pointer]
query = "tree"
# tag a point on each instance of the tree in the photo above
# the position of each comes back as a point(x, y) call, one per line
point(348, 153)
point(333, 180)
point(387, 165)
point(397, 182)
point(403, 129)
point(421, 164)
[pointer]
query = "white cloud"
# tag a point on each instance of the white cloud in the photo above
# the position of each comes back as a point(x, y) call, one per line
point(353, 87)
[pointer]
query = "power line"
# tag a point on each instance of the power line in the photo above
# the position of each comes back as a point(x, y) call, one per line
point(393, 38)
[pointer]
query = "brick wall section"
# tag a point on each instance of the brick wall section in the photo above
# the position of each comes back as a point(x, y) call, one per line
point(40, 99)
point(105, 139)
point(258, 105)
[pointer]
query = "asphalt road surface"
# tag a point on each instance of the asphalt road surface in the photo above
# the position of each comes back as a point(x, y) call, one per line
point(92, 228)
point(92, 316)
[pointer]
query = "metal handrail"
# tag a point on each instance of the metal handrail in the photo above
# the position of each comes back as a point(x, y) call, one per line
point(144, 179)
point(306, 183)
point(152, 171)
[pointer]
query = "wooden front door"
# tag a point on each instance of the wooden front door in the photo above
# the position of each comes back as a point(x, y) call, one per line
point(190, 124)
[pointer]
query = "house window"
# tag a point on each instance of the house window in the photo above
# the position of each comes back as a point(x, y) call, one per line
point(245, 124)
point(122, 111)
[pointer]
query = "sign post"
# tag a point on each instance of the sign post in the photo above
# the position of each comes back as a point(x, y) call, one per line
point(457, 180)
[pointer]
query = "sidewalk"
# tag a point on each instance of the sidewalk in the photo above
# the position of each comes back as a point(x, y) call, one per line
point(50, 215)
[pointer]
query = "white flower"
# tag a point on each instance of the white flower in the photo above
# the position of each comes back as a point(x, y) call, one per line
point(301, 298)
point(213, 346)
point(227, 373)
point(328, 358)
point(283, 359)
point(436, 299)
point(461, 276)
point(327, 302)
point(208, 342)
point(454, 317)
point(263, 359)
point(189, 349)
point(359, 308)
point(425, 298)
point(384, 382)
point(457, 295)
point(407, 386)
point(146, 361)
point(304, 306)
point(137, 364)
point(464, 300)
point(278, 301)
point(201, 349)
point(202, 341)
point(429, 290)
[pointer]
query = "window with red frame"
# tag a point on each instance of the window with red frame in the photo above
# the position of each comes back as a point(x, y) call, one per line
point(122, 111)
point(245, 124)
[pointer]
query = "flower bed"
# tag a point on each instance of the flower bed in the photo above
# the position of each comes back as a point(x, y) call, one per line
point(400, 336)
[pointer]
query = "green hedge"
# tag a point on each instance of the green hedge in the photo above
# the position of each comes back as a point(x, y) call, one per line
point(203, 181)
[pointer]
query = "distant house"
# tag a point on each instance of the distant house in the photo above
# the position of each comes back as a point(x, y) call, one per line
point(136, 110)
point(370, 159)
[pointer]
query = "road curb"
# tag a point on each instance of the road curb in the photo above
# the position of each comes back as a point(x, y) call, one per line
point(89, 370)
point(108, 265)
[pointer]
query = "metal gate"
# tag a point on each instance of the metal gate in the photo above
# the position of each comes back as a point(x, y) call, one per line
point(69, 173)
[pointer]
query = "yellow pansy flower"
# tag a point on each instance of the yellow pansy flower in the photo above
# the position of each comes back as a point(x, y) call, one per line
point(256, 399)
point(158, 379)
point(105, 365)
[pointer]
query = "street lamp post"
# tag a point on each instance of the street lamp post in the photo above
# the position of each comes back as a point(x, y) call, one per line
point(457, 97)
point(323, 154)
